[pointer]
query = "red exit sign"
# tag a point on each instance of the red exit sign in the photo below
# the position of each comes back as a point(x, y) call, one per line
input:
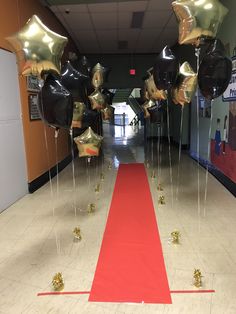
point(132, 71)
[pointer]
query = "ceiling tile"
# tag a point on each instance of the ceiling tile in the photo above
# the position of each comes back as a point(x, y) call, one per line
point(132, 6)
point(128, 34)
point(102, 7)
point(80, 8)
point(155, 5)
point(78, 21)
point(106, 35)
point(104, 20)
point(86, 36)
point(124, 19)
point(156, 18)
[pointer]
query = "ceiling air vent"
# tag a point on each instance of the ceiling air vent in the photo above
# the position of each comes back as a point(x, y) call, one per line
point(137, 19)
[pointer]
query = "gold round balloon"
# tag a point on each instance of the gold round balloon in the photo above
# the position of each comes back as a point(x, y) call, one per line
point(97, 100)
point(152, 91)
point(198, 18)
point(38, 49)
point(97, 75)
point(88, 143)
point(186, 84)
point(78, 111)
point(148, 104)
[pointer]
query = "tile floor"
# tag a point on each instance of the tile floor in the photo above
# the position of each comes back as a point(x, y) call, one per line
point(36, 238)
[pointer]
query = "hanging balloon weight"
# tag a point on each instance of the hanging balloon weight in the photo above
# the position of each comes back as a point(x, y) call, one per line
point(78, 111)
point(185, 85)
point(88, 143)
point(214, 73)
point(153, 92)
point(97, 100)
point(165, 69)
point(198, 19)
point(38, 49)
point(56, 103)
point(97, 75)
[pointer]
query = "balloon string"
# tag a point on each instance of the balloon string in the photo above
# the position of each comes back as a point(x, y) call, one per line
point(180, 150)
point(158, 154)
point(197, 54)
point(170, 160)
point(208, 158)
point(152, 148)
point(57, 166)
point(73, 170)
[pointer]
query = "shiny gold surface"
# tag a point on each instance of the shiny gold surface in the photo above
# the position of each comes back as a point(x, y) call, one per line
point(175, 235)
point(186, 85)
point(197, 277)
point(37, 48)
point(97, 100)
point(77, 233)
point(153, 92)
point(58, 282)
point(97, 75)
point(88, 143)
point(198, 18)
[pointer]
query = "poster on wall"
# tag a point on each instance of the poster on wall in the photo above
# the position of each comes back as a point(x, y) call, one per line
point(223, 144)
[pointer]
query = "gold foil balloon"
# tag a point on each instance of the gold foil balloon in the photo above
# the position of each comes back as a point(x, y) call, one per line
point(185, 86)
point(198, 18)
point(38, 48)
point(148, 104)
point(97, 100)
point(78, 111)
point(153, 92)
point(88, 143)
point(97, 75)
point(107, 113)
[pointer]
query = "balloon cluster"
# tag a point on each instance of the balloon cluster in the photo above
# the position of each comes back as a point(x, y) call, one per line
point(199, 21)
point(64, 101)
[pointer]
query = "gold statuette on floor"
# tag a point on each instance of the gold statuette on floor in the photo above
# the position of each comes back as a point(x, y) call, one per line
point(102, 177)
point(97, 188)
point(159, 187)
point(161, 200)
point(175, 235)
point(153, 175)
point(77, 234)
point(91, 208)
point(58, 282)
point(197, 277)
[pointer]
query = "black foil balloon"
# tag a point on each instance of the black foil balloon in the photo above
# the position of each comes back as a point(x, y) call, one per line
point(84, 65)
point(71, 78)
point(165, 69)
point(214, 72)
point(56, 103)
point(108, 95)
point(155, 114)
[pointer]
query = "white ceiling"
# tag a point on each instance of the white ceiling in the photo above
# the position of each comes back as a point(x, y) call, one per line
point(97, 28)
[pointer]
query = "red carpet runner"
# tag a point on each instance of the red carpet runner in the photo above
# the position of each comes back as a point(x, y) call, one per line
point(130, 267)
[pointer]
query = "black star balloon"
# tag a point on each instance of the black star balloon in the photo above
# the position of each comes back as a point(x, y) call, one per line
point(56, 103)
point(38, 48)
point(198, 18)
point(71, 78)
point(165, 69)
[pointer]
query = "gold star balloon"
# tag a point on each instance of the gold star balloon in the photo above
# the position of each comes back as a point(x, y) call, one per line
point(198, 18)
point(148, 104)
point(153, 92)
point(38, 49)
point(88, 143)
point(97, 100)
point(185, 86)
point(97, 75)
point(78, 111)
point(107, 113)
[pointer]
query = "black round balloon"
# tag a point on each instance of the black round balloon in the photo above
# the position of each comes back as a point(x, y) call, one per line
point(56, 103)
point(165, 69)
point(214, 73)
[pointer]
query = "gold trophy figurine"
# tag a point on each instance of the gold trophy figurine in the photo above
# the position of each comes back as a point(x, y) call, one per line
point(58, 282)
point(197, 276)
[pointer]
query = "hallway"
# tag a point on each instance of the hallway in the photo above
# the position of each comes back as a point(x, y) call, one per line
point(37, 239)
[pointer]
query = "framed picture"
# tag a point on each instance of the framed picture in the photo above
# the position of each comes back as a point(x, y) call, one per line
point(33, 100)
point(33, 84)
